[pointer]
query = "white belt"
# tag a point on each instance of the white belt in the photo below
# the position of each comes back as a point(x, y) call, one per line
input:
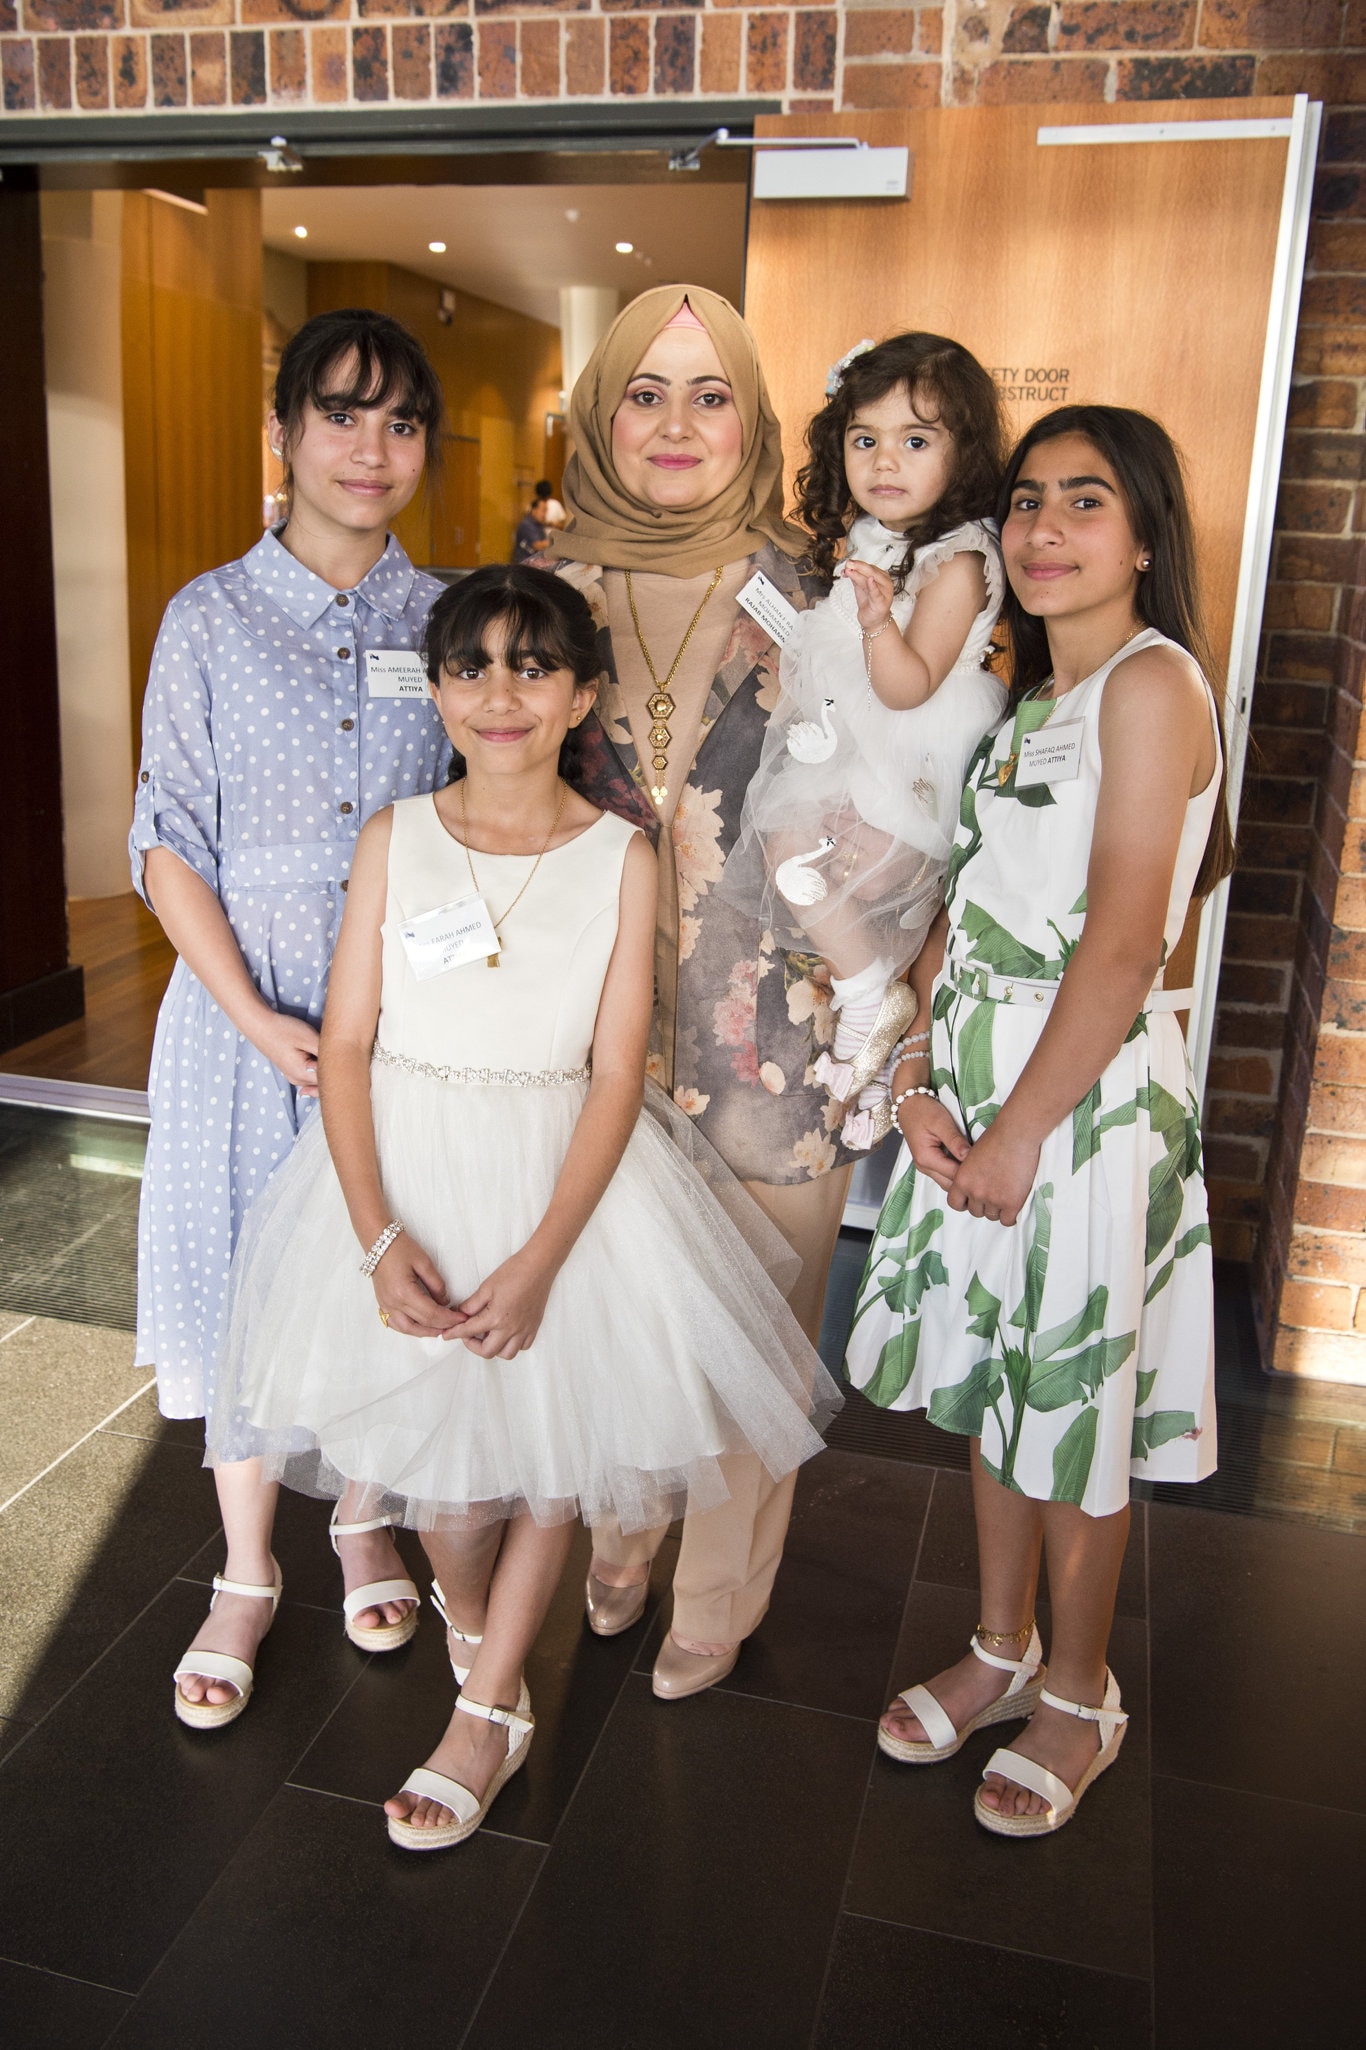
point(971, 981)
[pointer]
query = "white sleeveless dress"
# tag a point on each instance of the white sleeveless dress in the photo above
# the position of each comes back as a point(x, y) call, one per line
point(1078, 1343)
point(881, 785)
point(665, 1344)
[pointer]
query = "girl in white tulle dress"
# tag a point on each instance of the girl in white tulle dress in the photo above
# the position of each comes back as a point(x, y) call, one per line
point(847, 826)
point(497, 1295)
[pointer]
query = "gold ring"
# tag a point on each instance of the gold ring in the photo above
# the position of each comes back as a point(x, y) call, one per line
point(384, 1318)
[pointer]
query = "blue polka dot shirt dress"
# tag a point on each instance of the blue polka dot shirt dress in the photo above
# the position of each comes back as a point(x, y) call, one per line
point(268, 740)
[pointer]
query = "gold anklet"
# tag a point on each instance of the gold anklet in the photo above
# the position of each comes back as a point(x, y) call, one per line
point(985, 1636)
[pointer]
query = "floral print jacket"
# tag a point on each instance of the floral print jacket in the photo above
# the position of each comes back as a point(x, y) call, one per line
point(750, 1019)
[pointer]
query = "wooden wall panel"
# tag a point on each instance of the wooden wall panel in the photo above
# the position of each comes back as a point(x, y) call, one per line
point(192, 399)
point(500, 371)
point(1134, 274)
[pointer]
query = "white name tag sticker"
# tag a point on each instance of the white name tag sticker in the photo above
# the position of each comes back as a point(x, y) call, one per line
point(395, 673)
point(1050, 755)
point(763, 601)
point(448, 938)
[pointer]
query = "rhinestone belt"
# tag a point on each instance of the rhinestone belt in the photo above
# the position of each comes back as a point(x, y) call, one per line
point(484, 1078)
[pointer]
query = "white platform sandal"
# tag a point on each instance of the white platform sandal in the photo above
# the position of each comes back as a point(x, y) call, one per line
point(1019, 1701)
point(462, 1673)
point(217, 1665)
point(467, 1809)
point(380, 1636)
point(1025, 1772)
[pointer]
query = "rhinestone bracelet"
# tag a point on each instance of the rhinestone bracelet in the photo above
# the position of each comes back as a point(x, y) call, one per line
point(380, 1247)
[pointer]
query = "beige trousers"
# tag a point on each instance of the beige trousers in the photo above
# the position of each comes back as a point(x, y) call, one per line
point(729, 1556)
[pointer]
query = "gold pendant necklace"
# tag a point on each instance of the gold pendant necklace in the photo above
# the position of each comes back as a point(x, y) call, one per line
point(660, 704)
point(491, 960)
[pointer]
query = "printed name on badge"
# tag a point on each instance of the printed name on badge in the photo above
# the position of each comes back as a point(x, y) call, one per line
point(1050, 755)
point(763, 601)
point(448, 938)
point(395, 673)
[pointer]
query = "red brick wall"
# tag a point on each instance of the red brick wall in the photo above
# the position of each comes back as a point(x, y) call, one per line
point(1286, 1147)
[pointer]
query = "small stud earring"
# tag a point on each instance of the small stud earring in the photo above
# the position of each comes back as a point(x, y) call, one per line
point(278, 453)
point(1146, 563)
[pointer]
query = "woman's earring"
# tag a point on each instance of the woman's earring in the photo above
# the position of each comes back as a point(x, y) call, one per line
point(1146, 563)
point(278, 453)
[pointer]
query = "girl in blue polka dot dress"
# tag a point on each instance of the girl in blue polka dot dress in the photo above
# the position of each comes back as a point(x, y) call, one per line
point(286, 704)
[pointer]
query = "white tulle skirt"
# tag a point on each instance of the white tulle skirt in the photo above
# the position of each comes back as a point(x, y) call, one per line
point(666, 1344)
point(847, 825)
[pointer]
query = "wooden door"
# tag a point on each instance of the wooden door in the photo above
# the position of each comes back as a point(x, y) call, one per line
point(191, 400)
point(1142, 274)
point(455, 505)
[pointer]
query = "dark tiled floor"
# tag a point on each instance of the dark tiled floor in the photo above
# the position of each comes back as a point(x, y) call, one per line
point(739, 1870)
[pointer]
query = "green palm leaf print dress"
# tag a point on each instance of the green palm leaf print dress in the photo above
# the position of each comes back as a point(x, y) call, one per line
point(1078, 1343)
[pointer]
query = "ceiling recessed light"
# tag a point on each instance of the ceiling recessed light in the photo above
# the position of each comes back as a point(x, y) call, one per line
point(302, 233)
point(437, 248)
point(626, 249)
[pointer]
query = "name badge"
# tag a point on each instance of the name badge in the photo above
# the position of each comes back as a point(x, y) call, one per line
point(448, 938)
point(763, 601)
point(395, 673)
point(1051, 754)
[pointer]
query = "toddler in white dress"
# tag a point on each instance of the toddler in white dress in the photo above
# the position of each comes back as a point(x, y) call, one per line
point(847, 826)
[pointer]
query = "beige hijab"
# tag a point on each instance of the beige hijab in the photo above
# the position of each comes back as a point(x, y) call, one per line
point(608, 525)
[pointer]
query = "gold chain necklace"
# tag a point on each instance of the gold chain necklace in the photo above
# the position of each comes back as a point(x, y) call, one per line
point(491, 960)
point(660, 704)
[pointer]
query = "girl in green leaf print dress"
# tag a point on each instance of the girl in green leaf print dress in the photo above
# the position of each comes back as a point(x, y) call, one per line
point(1040, 1276)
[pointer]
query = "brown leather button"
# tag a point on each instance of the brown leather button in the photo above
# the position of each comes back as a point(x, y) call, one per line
point(347, 724)
point(345, 884)
point(144, 777)
point(347, 805)
point(343, 654)
point(342, 598)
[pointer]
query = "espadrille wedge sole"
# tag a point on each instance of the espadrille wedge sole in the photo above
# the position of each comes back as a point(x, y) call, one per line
point(380, 1636)
point(469, 1811)
point(1062, 1800)
point(217, 1665)
point(1019, 1701)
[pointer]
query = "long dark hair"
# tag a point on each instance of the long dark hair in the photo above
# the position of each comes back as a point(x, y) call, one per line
point(384, 364)
point(1148, 471)
point(947, 384)
point(544, 620)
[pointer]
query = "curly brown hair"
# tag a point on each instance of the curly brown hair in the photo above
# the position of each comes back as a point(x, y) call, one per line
point(947, 384)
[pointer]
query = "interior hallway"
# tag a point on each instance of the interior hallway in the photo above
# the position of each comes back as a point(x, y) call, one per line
point(742, 1869)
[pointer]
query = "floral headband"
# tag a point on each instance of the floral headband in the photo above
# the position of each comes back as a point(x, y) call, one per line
point(835, 376)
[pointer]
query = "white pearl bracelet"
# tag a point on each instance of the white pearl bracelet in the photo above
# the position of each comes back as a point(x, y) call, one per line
point(901, 1051)
point(380, 1247)
point(919, 1090)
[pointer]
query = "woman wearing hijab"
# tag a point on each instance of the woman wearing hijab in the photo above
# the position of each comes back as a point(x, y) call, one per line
point(675, 496)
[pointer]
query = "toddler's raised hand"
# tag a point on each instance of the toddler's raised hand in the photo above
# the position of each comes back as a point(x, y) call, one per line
point(873, 592)
point(408, 1287)
point(504, 1313)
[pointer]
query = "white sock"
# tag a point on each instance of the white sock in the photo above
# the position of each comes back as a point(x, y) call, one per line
point(857, 999)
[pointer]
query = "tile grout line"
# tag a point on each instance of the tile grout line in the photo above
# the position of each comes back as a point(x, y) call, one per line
point(841, 1909)
point(626, 1678)
point(22, 1964)
point(1007, 1949)
point(53, 1464)
point(86, 1671)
